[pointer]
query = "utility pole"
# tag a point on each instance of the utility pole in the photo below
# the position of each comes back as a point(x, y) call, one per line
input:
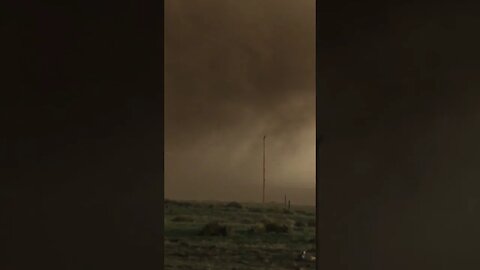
point(263, 198)
point(285, 202)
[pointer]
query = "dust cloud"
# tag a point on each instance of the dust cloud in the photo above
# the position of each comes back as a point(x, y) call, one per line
point(234, 72)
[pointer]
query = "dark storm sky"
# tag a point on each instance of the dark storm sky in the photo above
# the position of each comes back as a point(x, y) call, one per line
point(234, 71)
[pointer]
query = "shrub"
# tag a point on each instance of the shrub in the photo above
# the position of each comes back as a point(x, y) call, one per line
point(255, 209)
point(215, 229)
point(272, 210)
point(234, 205)
point(298, 223)
point(266, 219)
point(185, 204)
point(306, 213)
point(257, 228)
point(301, 212)
point(177, 203)
point(182, 219)
point(246, 221)
point(276, 227)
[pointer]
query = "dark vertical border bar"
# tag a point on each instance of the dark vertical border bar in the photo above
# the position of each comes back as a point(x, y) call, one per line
point(317, 132)
point(162, 139)
point(82, 135)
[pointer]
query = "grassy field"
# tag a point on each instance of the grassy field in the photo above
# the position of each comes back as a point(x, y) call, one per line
point(227, 236)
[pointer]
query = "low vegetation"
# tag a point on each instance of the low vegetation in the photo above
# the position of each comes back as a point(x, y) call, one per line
point(215, 229)
point(276, 227)
point(216, 235)
point(182, 219)
point(234, 205)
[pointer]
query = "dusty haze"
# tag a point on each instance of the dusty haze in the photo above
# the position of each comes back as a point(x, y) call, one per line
point(234, 71)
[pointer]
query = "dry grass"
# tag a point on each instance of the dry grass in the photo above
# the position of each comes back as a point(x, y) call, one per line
point(206, 236)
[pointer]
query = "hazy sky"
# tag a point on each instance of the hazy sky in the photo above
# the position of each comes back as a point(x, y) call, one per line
point(235, 71)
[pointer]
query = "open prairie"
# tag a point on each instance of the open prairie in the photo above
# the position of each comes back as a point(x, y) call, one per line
point(227, 236)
